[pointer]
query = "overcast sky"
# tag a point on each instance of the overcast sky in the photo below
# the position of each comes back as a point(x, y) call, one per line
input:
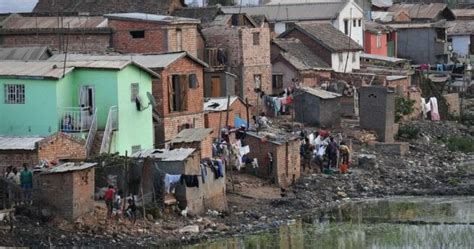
point(28, 5)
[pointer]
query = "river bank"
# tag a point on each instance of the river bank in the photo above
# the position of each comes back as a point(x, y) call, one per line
point(255, 205)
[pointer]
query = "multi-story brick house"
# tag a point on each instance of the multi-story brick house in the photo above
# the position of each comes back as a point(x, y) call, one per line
point(145, 33)
point(178, 92)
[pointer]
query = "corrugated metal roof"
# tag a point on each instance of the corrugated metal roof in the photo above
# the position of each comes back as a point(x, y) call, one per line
point(149, 61)
point(291, 12)
point(54, 69)
point(320, 93)
point(43, 22)
point(179, 154)
point(420, 11)
point(298, 55)
point(68, 167)
point(382, 3)
point(276, 2)
point(412, 25)
point(375, 27)
point(460, 27)
point(152, 18)
point(396, 77)
point(24, 53)
point(217, 104)
point(192, 135)
point(19, 143)
point(382, 16)
point(381, 58)
point(463, 13)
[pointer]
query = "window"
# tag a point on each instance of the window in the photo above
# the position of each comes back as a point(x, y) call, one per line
point(14, 93)
point(184, 126)
point(379, 41)
point(193, 81)
point(353, 56)
point(134, 91)
point(256, 38)
point(346, 27)
point(178, 92)
point(179, 40)
point(354, 23)
point(137, 34)
point(277, 81)
point(258, 81)
point(360, 22)
point(340, 57)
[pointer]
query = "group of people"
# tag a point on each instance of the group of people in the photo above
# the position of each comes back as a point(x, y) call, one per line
point(113, 202)
point(23, 178)
point(323, 150)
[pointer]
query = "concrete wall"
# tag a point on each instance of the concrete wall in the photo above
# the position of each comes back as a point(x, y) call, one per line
point(227, 84)
point(339, 61)
point(417, 45)
point(377, 111)
point(310, 109)
point(461, 44)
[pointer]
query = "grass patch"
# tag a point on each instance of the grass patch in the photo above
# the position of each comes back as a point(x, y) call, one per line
point(408, 132)
point(460, 144)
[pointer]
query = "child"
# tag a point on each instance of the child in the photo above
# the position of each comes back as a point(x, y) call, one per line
point(131, 211)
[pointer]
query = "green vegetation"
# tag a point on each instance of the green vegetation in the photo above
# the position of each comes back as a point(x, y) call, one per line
point(408, 132)
point(460, 144)
point(403, 107)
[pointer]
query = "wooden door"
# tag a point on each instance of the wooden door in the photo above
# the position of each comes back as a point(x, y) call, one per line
point(216, 86)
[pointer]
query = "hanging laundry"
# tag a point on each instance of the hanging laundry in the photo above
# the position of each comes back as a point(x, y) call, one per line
point(244, 150)
point(170, 180)
point(423, 108)
point(434, 109)
point(220, 168)
point(190, 180)
point(203, 172)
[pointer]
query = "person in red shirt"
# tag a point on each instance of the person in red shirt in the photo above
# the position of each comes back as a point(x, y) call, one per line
point(109, 200)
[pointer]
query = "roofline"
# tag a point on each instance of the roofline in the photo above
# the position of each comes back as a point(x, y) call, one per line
point(281, 57)
point(151, 72)
point(348, 2)
point(122, 18)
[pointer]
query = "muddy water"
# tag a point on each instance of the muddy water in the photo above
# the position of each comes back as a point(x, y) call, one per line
point(404, 222)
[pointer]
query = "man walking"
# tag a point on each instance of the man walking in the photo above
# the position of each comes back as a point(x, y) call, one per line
point(26, 182)
point(109, 200)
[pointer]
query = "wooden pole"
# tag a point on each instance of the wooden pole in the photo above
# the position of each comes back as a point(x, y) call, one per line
point(248, 113)
point(227, 112)
point(228, 145)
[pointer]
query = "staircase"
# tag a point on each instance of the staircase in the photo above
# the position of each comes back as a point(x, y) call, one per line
point(110, 127)
point(95, 150)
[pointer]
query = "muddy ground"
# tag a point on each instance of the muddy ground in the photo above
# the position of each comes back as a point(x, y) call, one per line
point(255, 204)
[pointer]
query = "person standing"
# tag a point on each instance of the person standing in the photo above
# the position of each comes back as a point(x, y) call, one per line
point(26, 182)
point(109, 200)
point(332, 152)
point(307, 154)
point(240, 134)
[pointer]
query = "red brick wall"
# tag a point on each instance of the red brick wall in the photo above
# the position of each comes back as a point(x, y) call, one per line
point(16, 158)
point(76, 42)
point(314, 78)
point(214, 119)
point(84, 187)
point(286, 166)
point(168, 129)
point(317, 49)
point(204, 147)
point(62, 146)
point(158, 37)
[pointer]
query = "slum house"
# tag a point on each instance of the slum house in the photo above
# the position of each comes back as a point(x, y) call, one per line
point(97, 7)
point(216, 113)
point(160, 164)
point(178, 91)
point(380, 39)
point(317, 107)
point(345, 16)
point(15, 151)
point(79, 33)
point(219, 80)
point(283, 149)
point(246, 50)
point(421, 31)
point(294, 65)
point(463, 14)
point(461, 36)
point(377, 111)
point(146, 33)
point(25, 53)
point(197, 138)
point(102, 102)
point(330, 44)
point(68, 189)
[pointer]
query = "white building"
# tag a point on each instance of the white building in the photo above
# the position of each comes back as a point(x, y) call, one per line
point(459, 34)
point(347, 17)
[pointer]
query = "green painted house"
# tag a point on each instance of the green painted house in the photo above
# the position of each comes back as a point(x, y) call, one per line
point(104, 101)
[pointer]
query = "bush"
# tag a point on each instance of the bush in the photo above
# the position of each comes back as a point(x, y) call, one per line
point(460, 144)
point(403, 107)
point(408, 132)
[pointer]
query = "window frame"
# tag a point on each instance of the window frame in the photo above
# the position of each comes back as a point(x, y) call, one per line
point(275, 83)
point(354, 57)
point(259, 84)
point(378, 41)
point(14, 94)
point(256, 38)
point(134, 91)
point(346, 26)
point(137, 34)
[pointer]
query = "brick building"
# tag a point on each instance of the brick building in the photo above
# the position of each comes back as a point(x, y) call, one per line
point(67, 188)
point(330, 44)
point(210, 194)
point(14, 151)
point(77, 33)
point(197, 138)
point(236, 44)
point(215, 113)
point(380, 39)
point(293, 64)
point(98, 7)
point(145, 33)
point(285, 152)
point(61, 146)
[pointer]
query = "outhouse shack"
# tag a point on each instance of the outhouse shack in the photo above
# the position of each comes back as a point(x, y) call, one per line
point(67, 188)
point(317, 107)
point(160, 166)
point(197, 138)
point(277, 155)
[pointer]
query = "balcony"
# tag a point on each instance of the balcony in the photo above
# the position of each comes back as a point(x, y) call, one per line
point(216, 58)
point(75, 119)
